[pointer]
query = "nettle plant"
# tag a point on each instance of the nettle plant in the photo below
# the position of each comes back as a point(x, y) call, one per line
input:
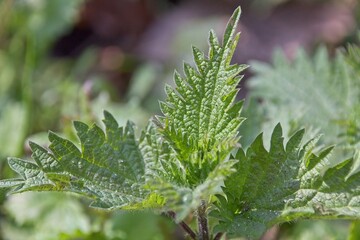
point(189, 162)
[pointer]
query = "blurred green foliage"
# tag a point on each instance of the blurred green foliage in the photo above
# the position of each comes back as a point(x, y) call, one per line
point(60, 216)
point(28, 30)
point(316, 92)
point(314, 230)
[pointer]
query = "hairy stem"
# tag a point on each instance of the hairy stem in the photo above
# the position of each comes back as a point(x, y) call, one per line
point(202, 222)
point(183, 225)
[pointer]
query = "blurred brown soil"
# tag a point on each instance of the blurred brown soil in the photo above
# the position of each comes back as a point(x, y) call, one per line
point(143, 30)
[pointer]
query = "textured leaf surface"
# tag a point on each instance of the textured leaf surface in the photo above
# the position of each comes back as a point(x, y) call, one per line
point(108, 167)
point(284, 184)
point(199, 128)
point(168, 176)
point(201, 119)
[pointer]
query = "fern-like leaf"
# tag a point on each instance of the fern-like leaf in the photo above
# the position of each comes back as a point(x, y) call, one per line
point(284, 184)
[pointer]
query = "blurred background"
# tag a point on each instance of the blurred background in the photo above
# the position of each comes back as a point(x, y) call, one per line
point(65, 60)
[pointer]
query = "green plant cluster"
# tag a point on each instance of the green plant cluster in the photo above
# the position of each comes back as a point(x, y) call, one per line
point(189, 161)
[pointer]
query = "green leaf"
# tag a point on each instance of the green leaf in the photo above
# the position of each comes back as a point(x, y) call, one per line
point(108, 167)
point(201, 119)
point(168, 177)
point(283, 184)
point(199, 128)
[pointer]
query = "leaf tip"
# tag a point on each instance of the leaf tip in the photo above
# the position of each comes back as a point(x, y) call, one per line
point(232, 25)
point(33, 145)
point(108, 115)
point(79, 126)
point(53, 136)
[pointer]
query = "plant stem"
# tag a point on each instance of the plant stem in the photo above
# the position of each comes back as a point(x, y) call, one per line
point(202, 222)
point(218, 236)
point(183, 225)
